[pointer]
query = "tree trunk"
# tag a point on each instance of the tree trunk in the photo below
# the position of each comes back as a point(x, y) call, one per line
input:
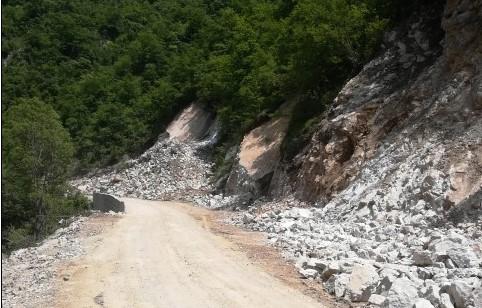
point(40, 219)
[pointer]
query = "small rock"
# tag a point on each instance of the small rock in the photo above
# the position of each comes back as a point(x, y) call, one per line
point(422, 303)
point(331, 269)
point(422, 258)
point(309, 273)
point(377, 300)
point(99, 299)
point(247, 218)
point(433, 294)
point(445, 301)
point(341, 281)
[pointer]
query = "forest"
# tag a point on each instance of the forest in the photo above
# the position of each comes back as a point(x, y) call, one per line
point(86, 83)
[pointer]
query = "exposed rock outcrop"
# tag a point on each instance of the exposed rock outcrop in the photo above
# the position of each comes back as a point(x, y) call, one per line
point(395, 173)
point(258, 157)
point(408, 127)
point(192, 124)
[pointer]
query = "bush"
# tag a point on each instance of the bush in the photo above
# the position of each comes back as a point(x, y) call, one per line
point(17, 238)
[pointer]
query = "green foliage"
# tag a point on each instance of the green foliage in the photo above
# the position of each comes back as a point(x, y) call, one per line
point(118, 71)
point(36, 157)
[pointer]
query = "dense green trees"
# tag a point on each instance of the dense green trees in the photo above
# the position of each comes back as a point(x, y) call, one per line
point(117, 71)
point(36, 156)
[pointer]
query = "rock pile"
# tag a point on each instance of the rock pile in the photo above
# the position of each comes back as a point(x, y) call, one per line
point(28, 274)
point(385, 263)
point(168, 170)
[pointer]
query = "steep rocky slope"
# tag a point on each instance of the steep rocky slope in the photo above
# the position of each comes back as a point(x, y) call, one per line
point(395, 173)
point(258, 157)
point(172, 169)
point(159, 172)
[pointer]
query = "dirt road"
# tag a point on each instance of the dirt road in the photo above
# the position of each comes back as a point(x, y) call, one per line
point(158, 255)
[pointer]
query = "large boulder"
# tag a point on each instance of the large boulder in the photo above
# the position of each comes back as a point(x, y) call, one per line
point(402, 294)
point(106, 203)
point(454, 247)
point(363, 282)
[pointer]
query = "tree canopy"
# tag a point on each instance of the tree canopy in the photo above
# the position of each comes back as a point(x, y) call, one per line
point(36, 157)
point(117, 71)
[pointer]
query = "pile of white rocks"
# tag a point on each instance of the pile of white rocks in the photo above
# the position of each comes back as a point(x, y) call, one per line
point(385, 263)
point(168, 170)
point(28, 274)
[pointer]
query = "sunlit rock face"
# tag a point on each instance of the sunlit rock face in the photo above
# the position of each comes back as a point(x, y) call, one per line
point(408, 127)
point(258, 156)
point(191, 124)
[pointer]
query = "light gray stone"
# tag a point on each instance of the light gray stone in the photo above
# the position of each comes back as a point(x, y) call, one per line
point(248, 218)
point(460, 292)
point(377, 300)
point(402, 294)
point(341, 281)
point(463, 256)
point(363, 282)
point(433, 294)
point(477, 297)
point(445, 301)
point(309, 273)
point(422, 303)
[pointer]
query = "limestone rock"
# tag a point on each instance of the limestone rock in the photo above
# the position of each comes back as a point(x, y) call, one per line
point(363, 282)
point(460, 292)
point(422, 303)
point(422, 258)
point(403, 293)
point(445, 301)
point(309, 273)
point(377, 300)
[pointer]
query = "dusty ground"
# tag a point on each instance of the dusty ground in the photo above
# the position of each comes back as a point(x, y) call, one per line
point(267, 258)
point(29, 275)
point(167, 254)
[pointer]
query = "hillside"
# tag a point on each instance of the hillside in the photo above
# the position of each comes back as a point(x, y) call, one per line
point(387, 191)
point(111, 75)
point(349, 134)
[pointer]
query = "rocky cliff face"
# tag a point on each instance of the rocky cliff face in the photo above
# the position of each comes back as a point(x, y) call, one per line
point(192, 124)
point(408, 127)
point(258, 157)
point(394, 172)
